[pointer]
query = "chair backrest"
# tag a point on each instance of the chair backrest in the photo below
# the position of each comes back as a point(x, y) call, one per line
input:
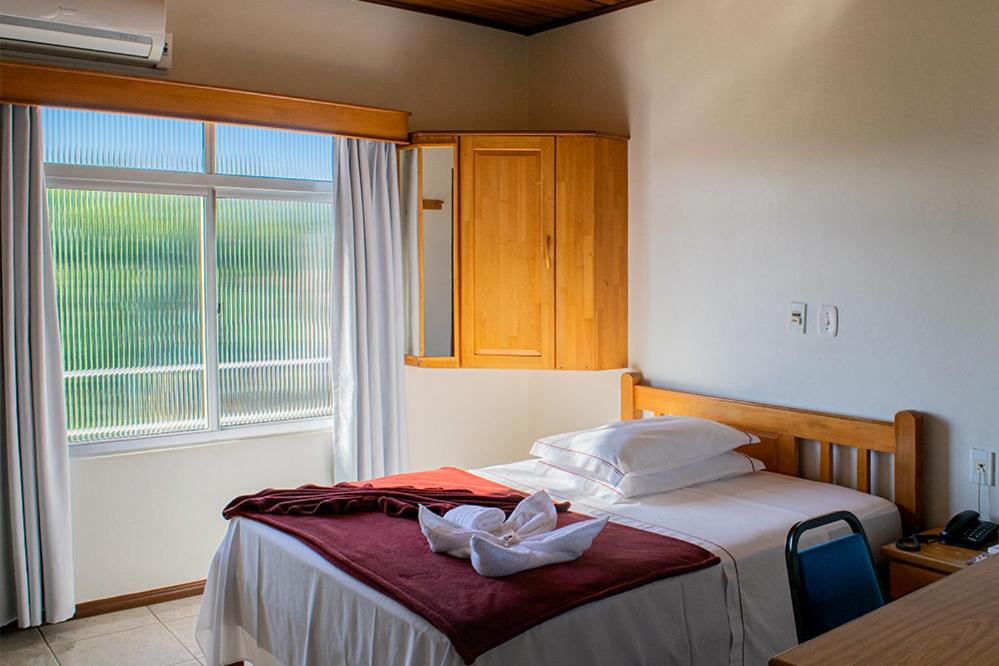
point(833, 582)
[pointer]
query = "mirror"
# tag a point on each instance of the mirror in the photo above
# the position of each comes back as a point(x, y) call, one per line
point(427, 182)
point(409, 193)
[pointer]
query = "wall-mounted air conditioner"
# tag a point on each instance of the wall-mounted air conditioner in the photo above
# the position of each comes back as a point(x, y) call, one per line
point(124, 32)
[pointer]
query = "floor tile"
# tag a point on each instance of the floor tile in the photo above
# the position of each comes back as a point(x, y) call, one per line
point(183, 629)
point(25, 647)
point(171, 610)
point(145, 646)
point(98, 625)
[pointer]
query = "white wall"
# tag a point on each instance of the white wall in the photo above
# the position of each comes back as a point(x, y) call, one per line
point(473, 418)
point(153, 519)
point(448, 74)
point(842, 152)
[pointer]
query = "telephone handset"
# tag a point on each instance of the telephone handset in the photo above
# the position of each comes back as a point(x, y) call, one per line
point(967, 530)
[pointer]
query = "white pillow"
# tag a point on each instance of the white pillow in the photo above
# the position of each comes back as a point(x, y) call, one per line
point(642, 446)
point(724, 466)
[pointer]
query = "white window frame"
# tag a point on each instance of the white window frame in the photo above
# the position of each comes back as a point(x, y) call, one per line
point(212, 187)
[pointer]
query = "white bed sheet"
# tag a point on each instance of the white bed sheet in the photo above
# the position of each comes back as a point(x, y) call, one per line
point(271, 600)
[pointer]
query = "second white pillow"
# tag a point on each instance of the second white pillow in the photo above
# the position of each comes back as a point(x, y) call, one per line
point(720, 467)
point(641, 446)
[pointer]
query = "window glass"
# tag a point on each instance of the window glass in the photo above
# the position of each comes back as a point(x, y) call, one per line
point(271, 153)
point(275, 285)
point(129, 285)
point(90, 138)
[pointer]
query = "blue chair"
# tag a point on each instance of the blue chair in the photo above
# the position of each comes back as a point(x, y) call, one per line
point(834, 582)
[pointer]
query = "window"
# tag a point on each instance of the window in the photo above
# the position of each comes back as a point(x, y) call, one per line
point(194, 273)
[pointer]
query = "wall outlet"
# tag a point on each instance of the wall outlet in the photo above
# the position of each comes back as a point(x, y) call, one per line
point(797, 314)
point(983, 467)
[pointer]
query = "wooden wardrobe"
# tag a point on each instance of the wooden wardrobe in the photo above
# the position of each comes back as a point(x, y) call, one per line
point(542, 265)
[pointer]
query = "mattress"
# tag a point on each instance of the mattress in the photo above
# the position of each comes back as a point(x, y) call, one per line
point(271, 600)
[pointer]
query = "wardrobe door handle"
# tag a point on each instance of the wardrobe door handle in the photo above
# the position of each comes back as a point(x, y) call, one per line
point(548, 252)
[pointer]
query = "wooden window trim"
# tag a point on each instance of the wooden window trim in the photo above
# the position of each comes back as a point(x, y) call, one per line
point(41, 85)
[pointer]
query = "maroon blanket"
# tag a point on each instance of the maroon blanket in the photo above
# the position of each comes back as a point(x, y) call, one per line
point(475, 612)
point(396, 501)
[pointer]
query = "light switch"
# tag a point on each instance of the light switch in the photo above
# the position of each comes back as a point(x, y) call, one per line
point(829, 320)
point(796, 318)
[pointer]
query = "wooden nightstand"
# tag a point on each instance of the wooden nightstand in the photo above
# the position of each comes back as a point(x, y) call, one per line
point(909, 571)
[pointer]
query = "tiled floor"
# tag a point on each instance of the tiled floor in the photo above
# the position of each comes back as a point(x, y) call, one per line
point(158, 635)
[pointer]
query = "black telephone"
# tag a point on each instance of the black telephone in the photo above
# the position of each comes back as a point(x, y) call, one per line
point(967, 530)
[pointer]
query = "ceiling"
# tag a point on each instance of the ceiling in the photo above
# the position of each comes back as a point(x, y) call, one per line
point(523, 16)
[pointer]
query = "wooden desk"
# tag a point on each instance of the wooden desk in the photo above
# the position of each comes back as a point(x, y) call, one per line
point(952, 621)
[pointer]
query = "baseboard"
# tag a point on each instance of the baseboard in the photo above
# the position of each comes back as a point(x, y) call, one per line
point(137, 599)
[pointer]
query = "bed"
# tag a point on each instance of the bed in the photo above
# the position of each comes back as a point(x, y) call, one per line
point(271, 600)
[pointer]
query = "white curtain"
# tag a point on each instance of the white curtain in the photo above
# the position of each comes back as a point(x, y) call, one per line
point(369, 333)
point(37, 558)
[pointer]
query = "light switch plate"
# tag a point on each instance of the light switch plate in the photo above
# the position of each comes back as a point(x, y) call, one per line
point(797, 314)
point(985, 461)
point(829, 321)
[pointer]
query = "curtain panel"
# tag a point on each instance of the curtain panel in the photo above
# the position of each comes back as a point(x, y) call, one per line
point(368, 328)
point(35, 530)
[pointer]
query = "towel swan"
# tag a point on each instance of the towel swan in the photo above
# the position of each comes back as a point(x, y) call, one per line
point(500, 546)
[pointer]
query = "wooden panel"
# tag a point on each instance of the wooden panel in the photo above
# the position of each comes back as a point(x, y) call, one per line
point(53, 86)
point(629, 380)
point(576, 322)
point(431, 361)
point(909, 468)
point(788, 455)
point(803, 424)
point(954, 621)
point(611, 213)
point(864, 470)
point(905, 578)
point(450, 136)
point(137, 599)
point(507, 240)
point(788, 425)
point(433, 137)
point(591, 231)
point(825, 462)
point(514, 15)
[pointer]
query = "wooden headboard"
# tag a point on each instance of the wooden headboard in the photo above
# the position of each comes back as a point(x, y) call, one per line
point(781, 430)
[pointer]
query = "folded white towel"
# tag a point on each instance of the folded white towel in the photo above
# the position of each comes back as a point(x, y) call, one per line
point(525, 540)
point(470, 517)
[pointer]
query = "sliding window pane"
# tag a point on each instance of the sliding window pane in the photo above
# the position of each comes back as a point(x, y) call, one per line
point(128, 282)
point(275, 281)
point(91, 138)
point(271, 153)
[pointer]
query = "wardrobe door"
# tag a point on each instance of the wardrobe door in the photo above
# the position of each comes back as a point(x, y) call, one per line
point(591, 224)
point(507, 241)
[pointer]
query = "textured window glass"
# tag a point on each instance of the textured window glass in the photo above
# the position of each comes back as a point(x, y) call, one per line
point(90, 138)
point(275, 283)
point(128, 281)
point(271, 153)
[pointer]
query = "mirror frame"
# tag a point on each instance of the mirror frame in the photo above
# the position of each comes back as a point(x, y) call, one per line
point(419, 360)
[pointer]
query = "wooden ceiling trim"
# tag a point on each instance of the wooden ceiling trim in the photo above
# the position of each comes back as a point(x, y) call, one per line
point(606, 9)
point(510, 24)
point(526, 17)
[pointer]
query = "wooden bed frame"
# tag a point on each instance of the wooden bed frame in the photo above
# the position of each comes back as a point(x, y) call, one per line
point(781, 429)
